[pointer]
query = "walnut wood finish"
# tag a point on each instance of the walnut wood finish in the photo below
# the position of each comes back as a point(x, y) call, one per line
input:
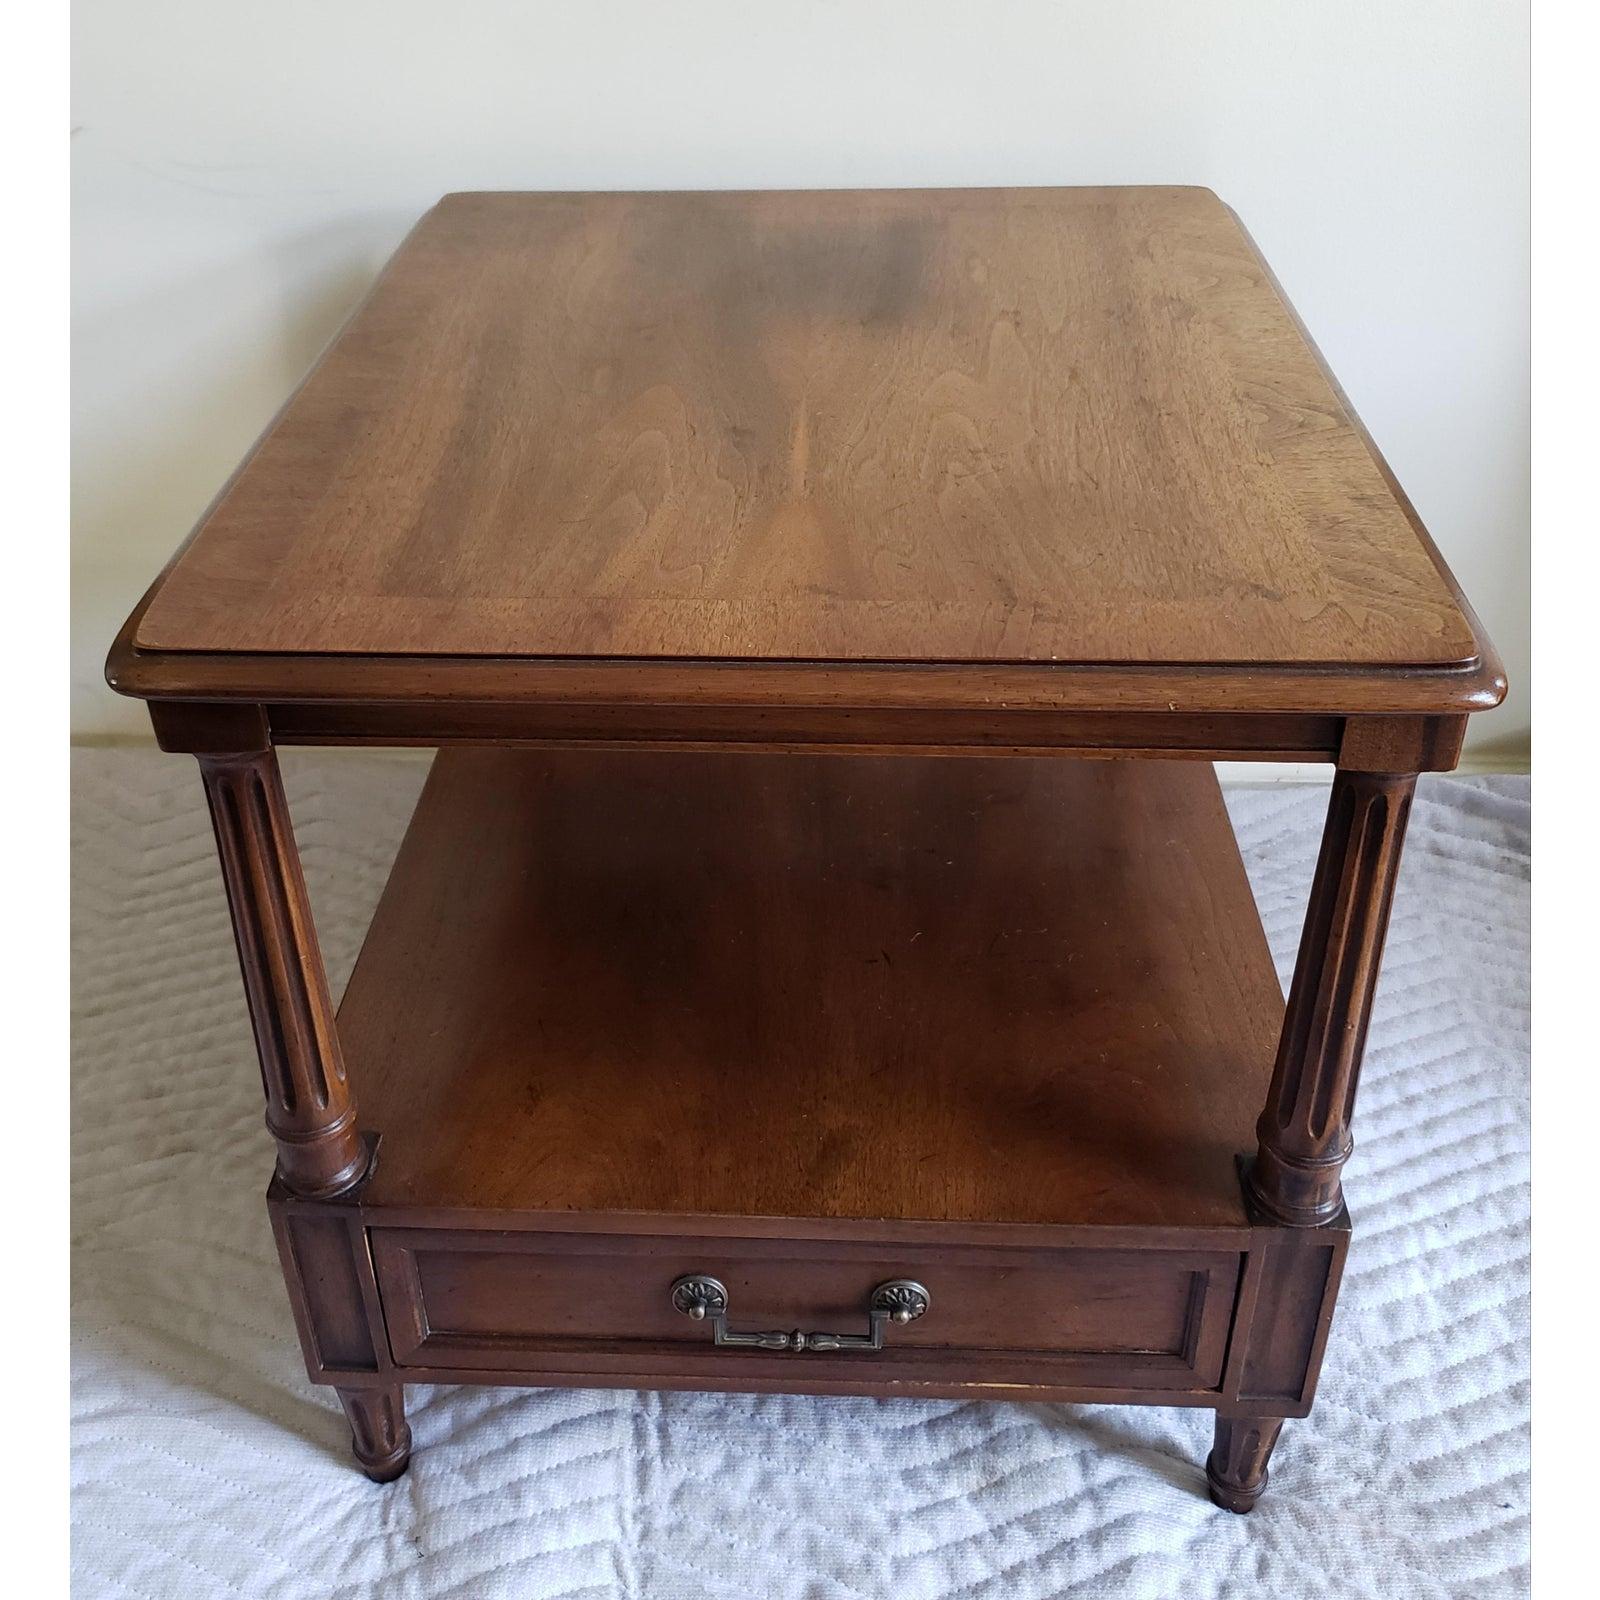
point(1236, 1469)
point(995, 474)
point(1282, 1320)
point(598, 1306)
point(942, 425)
point(310, 1109)
point(1100, 1314)
point(557, 1151)
point(1026, 991)
point(1304, 1131)
point(379, 1433)
point(638, 450)
point(841, 727)
point(333, 1291)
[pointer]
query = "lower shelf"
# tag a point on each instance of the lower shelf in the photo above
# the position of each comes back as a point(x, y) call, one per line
point(948, 994)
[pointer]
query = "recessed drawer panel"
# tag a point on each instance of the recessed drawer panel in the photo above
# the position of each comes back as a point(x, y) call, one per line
point(604, 1305)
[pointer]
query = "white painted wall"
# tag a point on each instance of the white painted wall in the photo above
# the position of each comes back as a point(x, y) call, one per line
point(242, 171)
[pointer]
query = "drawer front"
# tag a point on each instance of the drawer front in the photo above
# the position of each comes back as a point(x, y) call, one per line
point(603, 1305)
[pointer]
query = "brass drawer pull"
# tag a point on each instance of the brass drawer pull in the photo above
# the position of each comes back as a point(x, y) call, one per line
point(699, 1296)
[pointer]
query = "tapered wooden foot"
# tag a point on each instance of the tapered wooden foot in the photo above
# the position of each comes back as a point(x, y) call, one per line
point(1236, 1469)
point(378, 1430)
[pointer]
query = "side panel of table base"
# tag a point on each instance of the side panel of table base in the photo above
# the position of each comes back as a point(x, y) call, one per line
point(1241, 1332)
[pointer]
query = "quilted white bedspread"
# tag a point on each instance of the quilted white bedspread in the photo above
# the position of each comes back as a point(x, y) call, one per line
point(205, 1464)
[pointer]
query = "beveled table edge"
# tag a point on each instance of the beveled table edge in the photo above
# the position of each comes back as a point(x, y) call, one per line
point(995, 688)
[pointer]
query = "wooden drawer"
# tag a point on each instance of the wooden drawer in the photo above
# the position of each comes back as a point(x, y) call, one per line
point(552, 1304)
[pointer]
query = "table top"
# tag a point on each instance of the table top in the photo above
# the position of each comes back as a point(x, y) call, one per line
point(1066, 430)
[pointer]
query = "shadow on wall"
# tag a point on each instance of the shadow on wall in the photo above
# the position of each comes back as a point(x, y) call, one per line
point(184, 379)
point(236, 362)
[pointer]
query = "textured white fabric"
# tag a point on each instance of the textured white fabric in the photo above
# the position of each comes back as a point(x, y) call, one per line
point(205, 1464)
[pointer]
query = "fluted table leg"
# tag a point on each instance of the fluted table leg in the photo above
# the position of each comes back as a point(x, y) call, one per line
point(1304, 1132)
point(310, 1109)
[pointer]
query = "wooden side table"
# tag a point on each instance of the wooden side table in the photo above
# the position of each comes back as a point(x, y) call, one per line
point(716, 1029)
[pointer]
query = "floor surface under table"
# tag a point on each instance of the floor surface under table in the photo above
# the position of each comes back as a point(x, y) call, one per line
point(204, 1462)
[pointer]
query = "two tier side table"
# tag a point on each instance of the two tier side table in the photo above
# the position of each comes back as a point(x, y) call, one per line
point(820, 959)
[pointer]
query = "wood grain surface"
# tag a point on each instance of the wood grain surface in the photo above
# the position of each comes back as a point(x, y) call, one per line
point(601, 1304)
point(892, 988)
point(1070, 425)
